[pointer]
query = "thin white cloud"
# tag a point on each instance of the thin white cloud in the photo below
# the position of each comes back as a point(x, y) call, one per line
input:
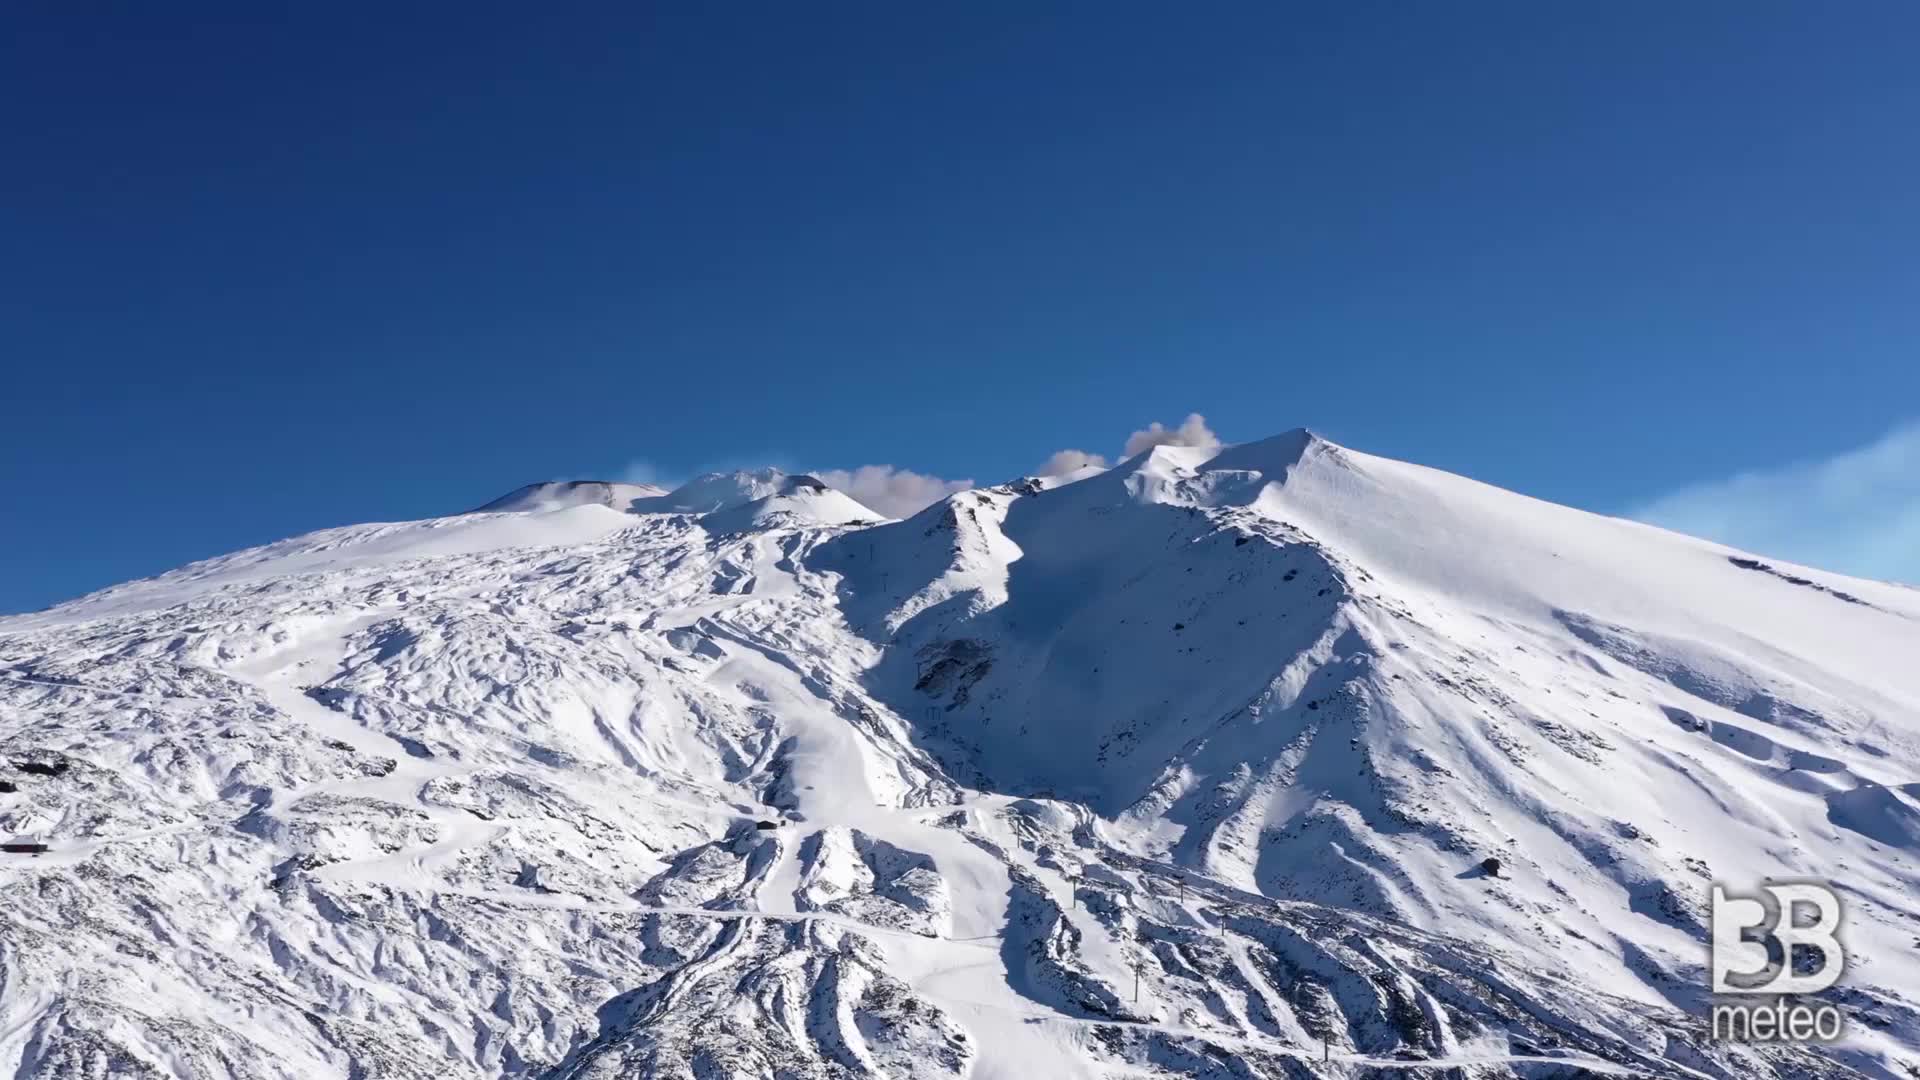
point(1066, 461)
point(894, 492)
point(1857, 512)
point(1193, 431)
point(642, 472)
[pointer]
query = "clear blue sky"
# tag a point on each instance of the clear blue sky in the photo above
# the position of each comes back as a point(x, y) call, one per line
point(267, 268)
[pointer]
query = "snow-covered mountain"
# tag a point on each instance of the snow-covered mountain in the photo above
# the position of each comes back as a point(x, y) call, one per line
point(561, 494)
point(1183, 768)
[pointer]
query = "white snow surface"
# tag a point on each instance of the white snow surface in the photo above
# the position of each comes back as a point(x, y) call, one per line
point(560, 494)
point(1181, 768)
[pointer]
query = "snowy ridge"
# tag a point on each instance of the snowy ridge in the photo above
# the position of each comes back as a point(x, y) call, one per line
point(743, 780)
point(561, 494)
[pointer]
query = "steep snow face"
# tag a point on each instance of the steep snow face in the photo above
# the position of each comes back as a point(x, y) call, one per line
point(1318, 674)
point(1182, 768)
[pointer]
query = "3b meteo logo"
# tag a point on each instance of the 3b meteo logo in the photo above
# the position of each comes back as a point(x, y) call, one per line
point(1782, 941)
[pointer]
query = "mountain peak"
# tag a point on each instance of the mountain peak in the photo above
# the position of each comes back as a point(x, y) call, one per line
point(797, 500)
point(713, 491)
point(562, 494)
point(704, 494)
point(1274, 455)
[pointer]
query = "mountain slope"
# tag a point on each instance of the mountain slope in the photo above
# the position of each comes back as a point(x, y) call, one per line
point(1291, 651)
point(737, 781)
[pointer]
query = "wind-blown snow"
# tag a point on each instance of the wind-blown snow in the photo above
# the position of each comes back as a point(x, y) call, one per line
point(742, 780)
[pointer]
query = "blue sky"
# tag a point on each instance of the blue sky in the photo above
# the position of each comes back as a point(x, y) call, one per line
point(268, 270)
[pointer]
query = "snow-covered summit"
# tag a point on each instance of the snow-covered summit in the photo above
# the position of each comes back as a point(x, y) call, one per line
point(744, 780)
point(719, 491)
point(561, 494)
point(797, 501)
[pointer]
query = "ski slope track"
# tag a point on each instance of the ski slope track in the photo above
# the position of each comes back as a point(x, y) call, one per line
point(1183, 768)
